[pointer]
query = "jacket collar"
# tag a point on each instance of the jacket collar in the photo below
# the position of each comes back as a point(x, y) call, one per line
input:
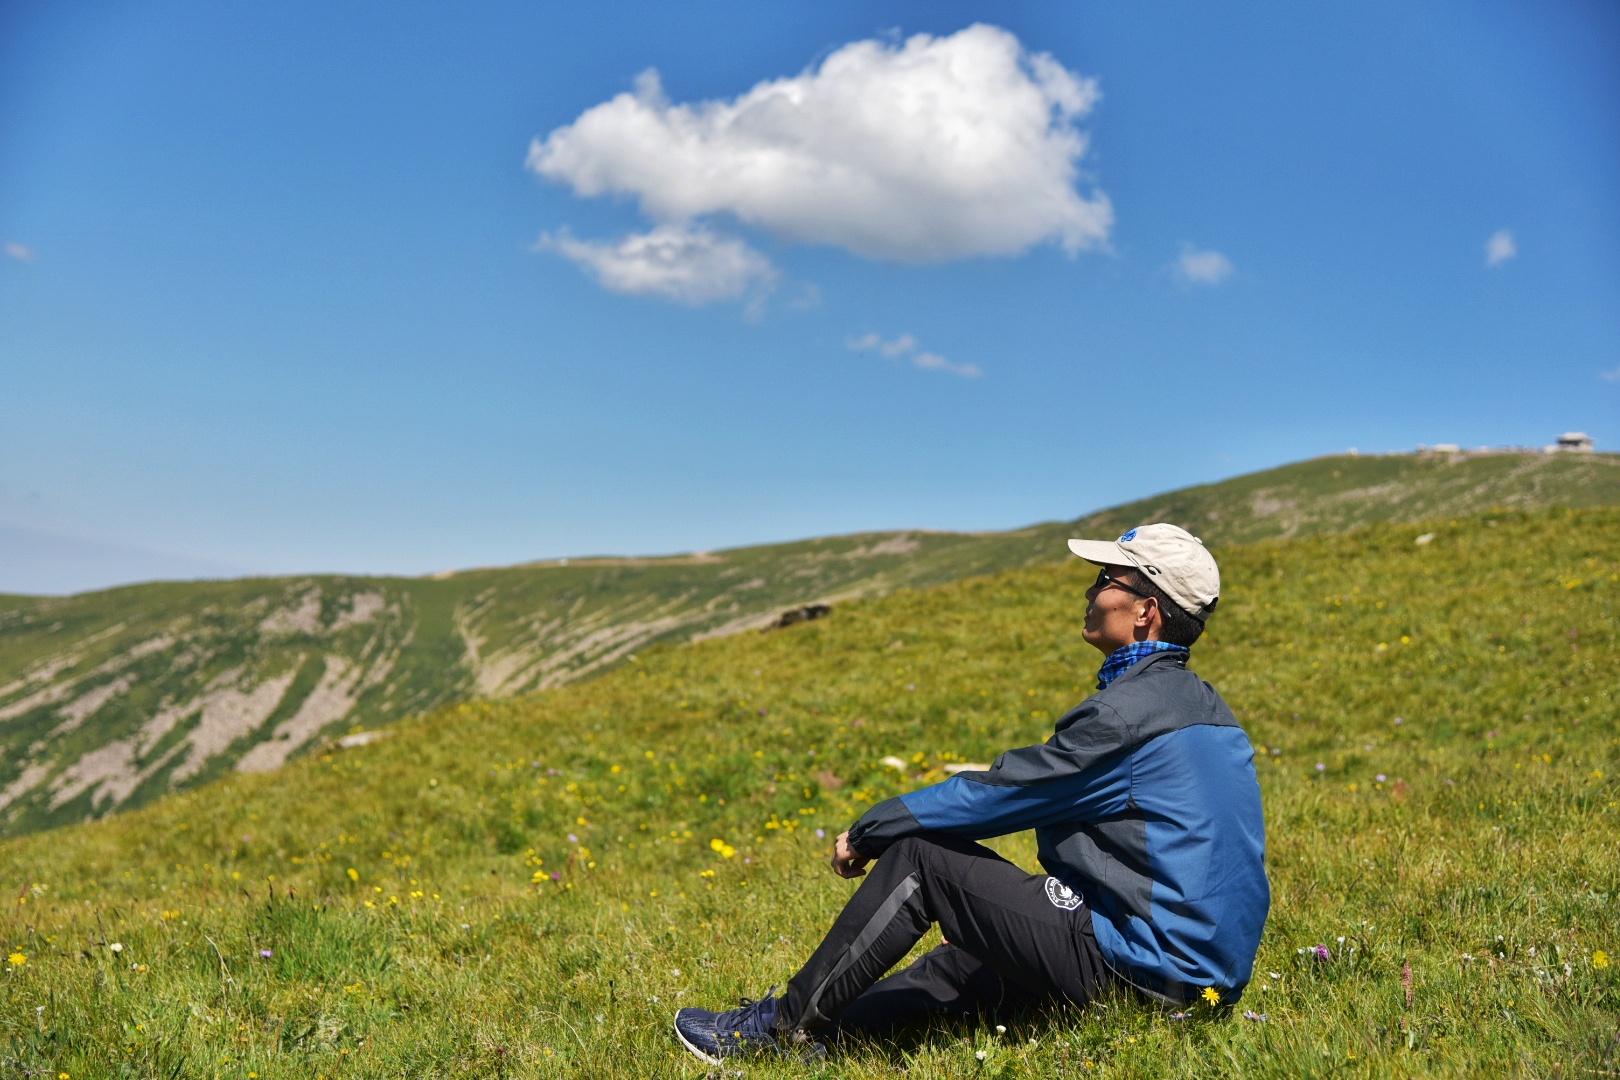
point(1175, 658)
point(1123, 659)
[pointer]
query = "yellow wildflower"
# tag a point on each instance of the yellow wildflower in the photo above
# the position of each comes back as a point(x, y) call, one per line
point(1600, 959)
point(354, 875)
point(19, 958)
point(1212, 995)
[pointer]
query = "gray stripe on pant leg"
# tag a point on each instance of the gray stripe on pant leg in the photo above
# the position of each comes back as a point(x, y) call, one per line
point(868, 936)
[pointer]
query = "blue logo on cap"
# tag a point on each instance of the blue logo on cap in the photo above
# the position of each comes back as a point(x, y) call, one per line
point(1128, 536)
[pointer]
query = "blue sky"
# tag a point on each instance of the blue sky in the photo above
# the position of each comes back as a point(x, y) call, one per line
point(390, 288)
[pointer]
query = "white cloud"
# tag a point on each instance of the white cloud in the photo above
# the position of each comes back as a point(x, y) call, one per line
point(1610, 376)
point(1500, 248)
point(869, 342)
point(1203, 267)
point(935, 148)
point(20, 252)
point(906, 343)
point(682, 262)
point(934, 362)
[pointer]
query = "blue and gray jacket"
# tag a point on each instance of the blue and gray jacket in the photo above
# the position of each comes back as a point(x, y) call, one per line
point(1145, 802)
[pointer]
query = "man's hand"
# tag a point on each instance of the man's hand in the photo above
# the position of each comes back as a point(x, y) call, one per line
point(846, 861)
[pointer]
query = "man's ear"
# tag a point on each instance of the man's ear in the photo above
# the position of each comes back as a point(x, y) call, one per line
point(1150, 617)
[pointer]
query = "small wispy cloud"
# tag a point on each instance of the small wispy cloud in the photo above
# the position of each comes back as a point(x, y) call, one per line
point(1203, 267)
point(20, 252)
point(875, 343)
point(683, 262)
point(907, 343)
point(934, 362)
point(1610, 376)
point(1500, 248)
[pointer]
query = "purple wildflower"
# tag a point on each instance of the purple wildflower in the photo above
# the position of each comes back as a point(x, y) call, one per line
point(821, 834)
point(1321, 767)
point(266, 953)
point(572, 839)
point(556, 876)
point(1321, 952)
point(762, 712)
point(1380, 778)
point(1256, 1017)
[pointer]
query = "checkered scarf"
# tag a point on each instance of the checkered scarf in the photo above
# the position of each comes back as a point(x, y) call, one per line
point(1124, 657)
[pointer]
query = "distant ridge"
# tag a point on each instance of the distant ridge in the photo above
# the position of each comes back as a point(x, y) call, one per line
point(110, 699)
point(1343, 492)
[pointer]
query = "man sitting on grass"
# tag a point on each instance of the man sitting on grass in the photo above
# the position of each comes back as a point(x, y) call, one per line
point(1147, 812)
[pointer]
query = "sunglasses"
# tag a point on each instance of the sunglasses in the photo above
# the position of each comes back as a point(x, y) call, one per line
point(1105, 579)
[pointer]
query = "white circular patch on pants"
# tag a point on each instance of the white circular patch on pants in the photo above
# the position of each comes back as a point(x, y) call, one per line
point(1061, 895)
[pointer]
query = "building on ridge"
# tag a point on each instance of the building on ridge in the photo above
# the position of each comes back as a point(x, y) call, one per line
point(1572, 442)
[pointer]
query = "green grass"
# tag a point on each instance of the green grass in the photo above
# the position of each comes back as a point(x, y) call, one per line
point(85, 679)
point(1486, 859)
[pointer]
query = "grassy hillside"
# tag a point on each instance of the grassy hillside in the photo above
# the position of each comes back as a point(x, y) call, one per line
point(111, 699)
point(529, 887)
point(1336, 494)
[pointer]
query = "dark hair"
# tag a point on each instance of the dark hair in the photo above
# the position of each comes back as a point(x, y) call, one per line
point(1177, 627)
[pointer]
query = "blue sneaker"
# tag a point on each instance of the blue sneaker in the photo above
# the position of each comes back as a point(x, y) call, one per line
point(714, 1036)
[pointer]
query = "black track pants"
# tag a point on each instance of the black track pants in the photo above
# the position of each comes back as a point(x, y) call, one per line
point(1015, 938)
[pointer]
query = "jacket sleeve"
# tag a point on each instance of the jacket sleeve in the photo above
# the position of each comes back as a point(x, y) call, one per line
point(1076, 778)
point(881, 826)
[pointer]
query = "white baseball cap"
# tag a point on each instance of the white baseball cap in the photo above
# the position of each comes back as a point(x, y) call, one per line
point(1173, 559)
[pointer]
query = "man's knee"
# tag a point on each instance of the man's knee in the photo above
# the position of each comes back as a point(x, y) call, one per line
point(922, 845)
point(929, 852)
point(908, 848)
point(922, 850)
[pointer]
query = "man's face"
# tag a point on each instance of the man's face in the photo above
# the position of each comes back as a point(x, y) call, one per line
point(1115, 617)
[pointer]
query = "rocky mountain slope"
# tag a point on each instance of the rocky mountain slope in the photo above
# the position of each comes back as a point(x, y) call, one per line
point(112, 698)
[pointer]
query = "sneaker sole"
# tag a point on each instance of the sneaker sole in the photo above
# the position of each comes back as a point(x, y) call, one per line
point(700, 1054)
